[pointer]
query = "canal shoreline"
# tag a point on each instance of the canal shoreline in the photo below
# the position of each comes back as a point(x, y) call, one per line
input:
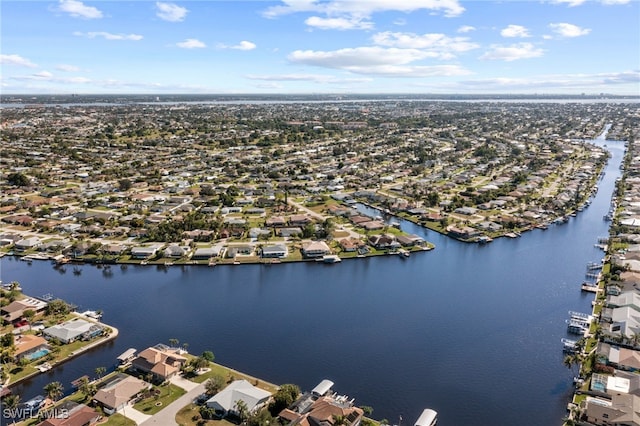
point(114, 332)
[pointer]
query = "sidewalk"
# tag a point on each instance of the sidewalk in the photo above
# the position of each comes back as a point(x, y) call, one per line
point(133, 414)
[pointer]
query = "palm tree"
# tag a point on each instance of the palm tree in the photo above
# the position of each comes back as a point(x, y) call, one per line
point(11, 402)
point(87, 388)
point(570, 361)
point(200, 363)
point(242, 410)
point(174, 342)
point(54, 390)
point(339, 420)
point(100, 371)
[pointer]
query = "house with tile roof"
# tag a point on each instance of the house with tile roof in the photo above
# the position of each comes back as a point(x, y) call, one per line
point(160, 360)
point(119, 392)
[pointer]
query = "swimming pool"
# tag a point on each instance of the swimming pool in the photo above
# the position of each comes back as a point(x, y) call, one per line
point(37, 354)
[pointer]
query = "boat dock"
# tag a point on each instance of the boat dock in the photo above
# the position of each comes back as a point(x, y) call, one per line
point(568, 346)
point(127, 356)
point(590, 287)
point(578, 323)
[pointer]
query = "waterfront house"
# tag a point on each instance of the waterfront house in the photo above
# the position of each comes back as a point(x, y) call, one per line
point(275, 251)
point(313, 249)
point(349, 244)
point(625, 322)
point(145, 252)
point(463, 232)
point(15, 310)
point(73, 330)
point(119, 391)
point(623, 409)
point(239, 249)
point(176, 251)
point(203, 253)
point(225, 401)
point(160, 361)
point(410, 240)
point(383, 241)
point(321, 411)
point(27, 243)
point(30, 347)
point(618, 357)
point(628, 298)
point(70, 413)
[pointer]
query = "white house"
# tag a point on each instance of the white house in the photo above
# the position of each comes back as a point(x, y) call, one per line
point(224, 402)
point(278, 250)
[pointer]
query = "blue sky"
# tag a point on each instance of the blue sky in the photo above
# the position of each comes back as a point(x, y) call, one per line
point(311, 46)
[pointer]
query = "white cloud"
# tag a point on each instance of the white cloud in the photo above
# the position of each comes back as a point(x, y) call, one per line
point(513, 52)
point(355, 14)
point(77, 9)
point(44, 75)
point(515, 31)
point(349, 23)
point(191, 43)
point(437, 45)
point(67, 68)
point(243, 45)
point(375, 61)
point(16, 60)
point(570, 3)
point(40, 75)
point(614, 2)
point(109, 36)
point(170, 12)
point(569, 30)
point(466, 29)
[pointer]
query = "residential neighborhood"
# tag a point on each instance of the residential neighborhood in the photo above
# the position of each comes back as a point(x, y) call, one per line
point(227, 183)
point(608, 351)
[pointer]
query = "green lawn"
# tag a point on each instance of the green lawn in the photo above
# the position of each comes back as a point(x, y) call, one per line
point(152, 405)
point(118, 419)
point(185, 417)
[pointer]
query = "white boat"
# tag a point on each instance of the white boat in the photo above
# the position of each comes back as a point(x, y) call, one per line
point(331, 258)
point(404, 253)
point(92, 314)
point(44, 367)
point(428, 417)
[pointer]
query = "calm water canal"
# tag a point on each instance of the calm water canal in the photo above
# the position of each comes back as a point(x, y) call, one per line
point(471, 331)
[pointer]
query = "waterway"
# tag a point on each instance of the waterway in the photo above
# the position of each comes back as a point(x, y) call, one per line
point(472, 331)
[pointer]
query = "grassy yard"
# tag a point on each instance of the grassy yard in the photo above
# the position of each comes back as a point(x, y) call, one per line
point(118, 419)
point(230, 375)
point(152, 405)
point(186, 415)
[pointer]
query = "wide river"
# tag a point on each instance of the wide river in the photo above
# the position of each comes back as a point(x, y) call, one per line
point(472, 331)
